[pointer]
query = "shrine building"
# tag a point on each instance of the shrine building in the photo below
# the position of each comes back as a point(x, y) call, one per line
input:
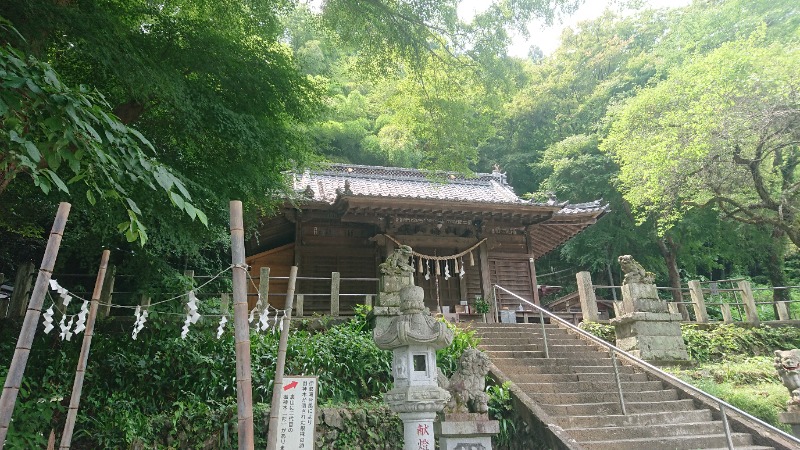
point(467, 233)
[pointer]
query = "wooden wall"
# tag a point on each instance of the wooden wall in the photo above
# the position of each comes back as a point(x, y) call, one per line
point(279, 260)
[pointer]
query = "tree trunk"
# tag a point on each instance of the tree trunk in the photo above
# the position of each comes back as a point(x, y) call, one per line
point(775, 266)
point(669, 251)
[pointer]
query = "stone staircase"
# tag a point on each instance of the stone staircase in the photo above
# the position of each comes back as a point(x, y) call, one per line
point(574, 394)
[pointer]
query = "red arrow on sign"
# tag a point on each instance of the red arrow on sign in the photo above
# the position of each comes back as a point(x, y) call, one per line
point(291, 385)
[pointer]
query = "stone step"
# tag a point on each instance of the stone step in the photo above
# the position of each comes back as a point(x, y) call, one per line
point(646, 431)
point(553, 348)
point(561, 365)
point(525, 376)
point(612, 407)
point(555, 351)
point(572, 356)
point(634, 420)
point(740, 440)
point(600, 397)
point(565, 387)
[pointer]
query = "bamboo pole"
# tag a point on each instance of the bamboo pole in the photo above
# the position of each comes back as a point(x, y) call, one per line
point(277, 386)
point(244, 382)
point(80, 372)
point(20, 359)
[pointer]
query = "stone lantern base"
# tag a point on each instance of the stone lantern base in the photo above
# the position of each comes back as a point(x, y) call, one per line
point(466, 431)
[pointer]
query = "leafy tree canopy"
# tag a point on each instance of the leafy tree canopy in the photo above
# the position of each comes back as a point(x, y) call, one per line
point(723, 130)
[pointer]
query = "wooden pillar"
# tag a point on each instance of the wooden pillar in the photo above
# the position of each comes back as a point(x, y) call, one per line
point(145, 302)
point(299, 304)
point(486, 281)
point(698, 302)
point(335, 283)
point(588, 299)
point(783, 311)
point(263, 290)
point(22, 289)
point(108, 288)
point(20, 359)
point(280, 365)
point(727, 317)
point(532, 262)
point(83, 359)
point(749, 301)
point(244, 382)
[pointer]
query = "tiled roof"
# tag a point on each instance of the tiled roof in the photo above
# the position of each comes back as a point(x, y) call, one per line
point(392, 182)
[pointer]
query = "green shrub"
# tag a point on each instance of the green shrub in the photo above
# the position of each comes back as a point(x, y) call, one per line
point(161, 388)
point(603, 331)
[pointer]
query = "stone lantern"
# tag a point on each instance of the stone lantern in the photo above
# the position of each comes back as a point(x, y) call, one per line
point(413, 336)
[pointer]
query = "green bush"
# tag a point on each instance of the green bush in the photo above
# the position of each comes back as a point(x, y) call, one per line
point(161, 388)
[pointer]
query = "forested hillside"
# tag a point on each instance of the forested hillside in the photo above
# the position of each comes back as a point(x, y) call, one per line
point(686, 121)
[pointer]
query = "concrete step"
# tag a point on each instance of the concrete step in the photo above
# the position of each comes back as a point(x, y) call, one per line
point(523, 376)
point(601, 397)
point(646, 431)
point(634, 420)
point(559, 365)
point(612, 407)
point(552, 346)
point(740, 440)
point(592, 387)
point(575, 356)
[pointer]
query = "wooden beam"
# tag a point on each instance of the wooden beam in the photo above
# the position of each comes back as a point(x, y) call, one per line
point(20, 359)
point(244, 382)
point(83, 359)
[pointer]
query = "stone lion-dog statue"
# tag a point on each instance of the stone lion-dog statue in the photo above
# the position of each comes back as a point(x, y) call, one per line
point(397, 262)
point(634, 272)
point(787, 363)
point(467, 384)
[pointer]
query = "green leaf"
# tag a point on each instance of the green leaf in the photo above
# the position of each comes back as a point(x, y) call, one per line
point(33, 152)
point(133, 206)
point(202, 217)
point(176, 199)
point(90, 197)
point(56, 180)
point(190, 210)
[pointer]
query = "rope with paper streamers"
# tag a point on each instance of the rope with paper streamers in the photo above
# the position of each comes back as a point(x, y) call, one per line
point(440, 258)
point(423, 261)
point(267, 320)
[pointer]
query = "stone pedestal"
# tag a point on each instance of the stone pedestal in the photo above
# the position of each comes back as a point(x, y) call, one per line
point(793, 419)
point(466, 431)
point(645, 327)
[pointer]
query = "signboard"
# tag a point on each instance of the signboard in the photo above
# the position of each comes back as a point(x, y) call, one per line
point(297, 413)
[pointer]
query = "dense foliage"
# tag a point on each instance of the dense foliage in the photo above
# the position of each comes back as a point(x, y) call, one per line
point(161, 388)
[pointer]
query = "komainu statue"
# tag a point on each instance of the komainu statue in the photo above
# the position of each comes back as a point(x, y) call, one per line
point(634, 272)
point(468, 383)
point(787, 363)
point(397, 262)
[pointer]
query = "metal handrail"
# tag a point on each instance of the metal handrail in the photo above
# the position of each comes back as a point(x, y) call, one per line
point(723, 405)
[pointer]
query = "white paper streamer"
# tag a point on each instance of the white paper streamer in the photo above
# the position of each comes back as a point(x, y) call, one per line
point(263, 320)
point(141, 318)
point(446, 271)
point(427, 270)
point(192, 316)
point(48, 320)
point(65, 333)
point(462, 273)
point(221, 328)
point(252, 315)
point(80, 325)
